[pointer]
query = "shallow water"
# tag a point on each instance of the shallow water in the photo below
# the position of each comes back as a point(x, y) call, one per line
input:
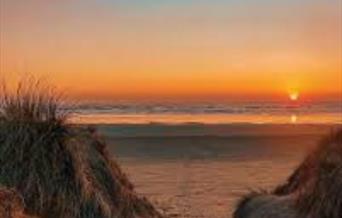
point(205, 174)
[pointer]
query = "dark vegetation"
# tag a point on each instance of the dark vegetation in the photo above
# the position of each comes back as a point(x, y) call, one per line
point(314, 190)
point(57, 169)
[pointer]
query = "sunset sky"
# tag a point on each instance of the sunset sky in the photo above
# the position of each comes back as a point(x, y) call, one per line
point(176, 48)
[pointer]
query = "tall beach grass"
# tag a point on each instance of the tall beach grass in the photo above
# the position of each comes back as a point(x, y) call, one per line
point(58, 169)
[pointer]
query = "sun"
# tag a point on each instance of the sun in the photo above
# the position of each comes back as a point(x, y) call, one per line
point(294, 96)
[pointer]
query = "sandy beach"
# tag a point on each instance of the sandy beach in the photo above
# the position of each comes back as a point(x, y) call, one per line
point(194, 170)
point(170, 109)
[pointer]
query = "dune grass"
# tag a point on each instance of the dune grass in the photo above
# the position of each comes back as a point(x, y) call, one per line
point(60, 170)
point(31, 101)
point(314, 190)
point(317, 182)
point(12, 205)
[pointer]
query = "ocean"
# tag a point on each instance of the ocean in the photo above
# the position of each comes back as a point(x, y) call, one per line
point(213, 112)
point(196, 160)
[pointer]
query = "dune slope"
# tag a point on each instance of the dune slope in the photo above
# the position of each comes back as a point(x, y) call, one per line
point(314, 190)
point(60, 170)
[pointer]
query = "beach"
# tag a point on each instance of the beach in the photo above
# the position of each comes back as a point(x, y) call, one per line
point(170, 109)
point(197, 159)
point(201, 170)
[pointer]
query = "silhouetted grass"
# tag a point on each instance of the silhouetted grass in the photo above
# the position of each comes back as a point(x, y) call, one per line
point(32, 101)
point(317, 182)
point(314, 190)
point(61, 171)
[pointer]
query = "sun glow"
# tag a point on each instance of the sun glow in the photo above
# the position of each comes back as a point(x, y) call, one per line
point(294, 96)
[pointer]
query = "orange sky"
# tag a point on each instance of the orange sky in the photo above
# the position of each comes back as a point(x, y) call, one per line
point(176, 49)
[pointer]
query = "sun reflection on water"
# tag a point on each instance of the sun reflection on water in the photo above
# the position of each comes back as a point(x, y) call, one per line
point(294, 118)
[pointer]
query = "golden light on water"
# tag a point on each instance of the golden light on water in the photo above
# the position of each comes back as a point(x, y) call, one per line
point(294, 118)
